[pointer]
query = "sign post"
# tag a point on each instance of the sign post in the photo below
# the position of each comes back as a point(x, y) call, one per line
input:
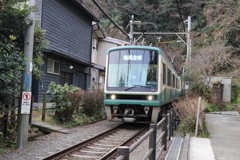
point(26, 102)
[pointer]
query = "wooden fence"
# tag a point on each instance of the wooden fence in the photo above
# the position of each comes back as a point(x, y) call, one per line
point(11, 114)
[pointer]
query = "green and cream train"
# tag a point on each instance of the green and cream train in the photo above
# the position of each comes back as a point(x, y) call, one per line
point(140, 83)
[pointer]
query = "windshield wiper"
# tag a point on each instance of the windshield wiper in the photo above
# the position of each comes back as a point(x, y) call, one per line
point(136, 86)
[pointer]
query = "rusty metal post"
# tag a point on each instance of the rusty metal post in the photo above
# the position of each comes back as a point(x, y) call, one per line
point(123, 150)
point(171, 121)
point(152, 141)
point(174, 119)
point(44, 106)
point(31, 107)
point(164, 140)
point(169, 125)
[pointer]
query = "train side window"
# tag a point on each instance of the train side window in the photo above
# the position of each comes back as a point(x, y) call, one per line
point(173, 85)
point(169, 77)
point(179, 84)
point(176, 82)
point(164, 74)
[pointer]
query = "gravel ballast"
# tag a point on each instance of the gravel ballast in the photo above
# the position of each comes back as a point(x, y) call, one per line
point(48, 144)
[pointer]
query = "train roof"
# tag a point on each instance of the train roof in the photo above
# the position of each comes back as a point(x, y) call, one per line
point(135, 47)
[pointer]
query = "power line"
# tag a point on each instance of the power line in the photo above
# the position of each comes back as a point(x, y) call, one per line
point(179, 11)
point(98, 5)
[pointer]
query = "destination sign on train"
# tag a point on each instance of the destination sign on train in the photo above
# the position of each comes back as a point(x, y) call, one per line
point(132, 57)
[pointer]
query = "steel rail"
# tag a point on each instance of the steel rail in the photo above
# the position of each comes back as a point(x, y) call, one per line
point(77, 146)
point(113, 152)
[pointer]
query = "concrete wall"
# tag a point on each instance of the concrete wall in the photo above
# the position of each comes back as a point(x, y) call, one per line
point(227, 81)
point(95, 48)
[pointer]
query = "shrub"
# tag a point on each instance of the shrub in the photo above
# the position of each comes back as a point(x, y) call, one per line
point(76, 106)
point(93, 102)
point(67, 98)
point(75, 99)
point(187, 125)
point(235, 91)
point(186, 110)
point(187, 107)
point(211, 108)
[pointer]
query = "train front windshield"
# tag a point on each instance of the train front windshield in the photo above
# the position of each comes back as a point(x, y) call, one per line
point(132, 70)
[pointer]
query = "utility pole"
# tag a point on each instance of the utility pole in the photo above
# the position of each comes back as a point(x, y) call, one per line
point(131, 30)
point(188, 42)
point(24, 110)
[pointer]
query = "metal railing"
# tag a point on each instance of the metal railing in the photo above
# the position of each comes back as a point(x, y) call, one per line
point(165, 128)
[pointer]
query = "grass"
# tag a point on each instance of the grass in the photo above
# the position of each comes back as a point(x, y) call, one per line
point(204, 133)
point(8, 142)
point(79, 119)
point(237, 102)
point(229, 108)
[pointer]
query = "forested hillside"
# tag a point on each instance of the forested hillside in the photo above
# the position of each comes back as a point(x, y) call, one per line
point(215, 28)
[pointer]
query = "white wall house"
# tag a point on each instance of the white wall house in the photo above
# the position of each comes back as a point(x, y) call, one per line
point(100, 46)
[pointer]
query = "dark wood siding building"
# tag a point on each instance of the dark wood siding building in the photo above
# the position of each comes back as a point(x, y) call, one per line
point(67, 57)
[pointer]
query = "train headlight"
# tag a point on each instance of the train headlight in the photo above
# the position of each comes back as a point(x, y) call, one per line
point(113, 96)
point(149, 98)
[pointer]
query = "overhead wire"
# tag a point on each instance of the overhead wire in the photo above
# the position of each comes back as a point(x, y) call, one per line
point(179, 11)
point(98, 5)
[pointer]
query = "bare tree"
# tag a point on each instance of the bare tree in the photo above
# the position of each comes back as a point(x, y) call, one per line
point(215, 60)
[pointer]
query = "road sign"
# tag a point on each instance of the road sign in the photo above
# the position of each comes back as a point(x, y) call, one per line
point(26, 102)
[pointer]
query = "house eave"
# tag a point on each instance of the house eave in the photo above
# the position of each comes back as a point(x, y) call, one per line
point(85, 10)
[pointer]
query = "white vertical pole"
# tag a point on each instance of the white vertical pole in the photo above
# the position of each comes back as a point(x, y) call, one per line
point(188, 40)
point(131, 30)
point(198, 112)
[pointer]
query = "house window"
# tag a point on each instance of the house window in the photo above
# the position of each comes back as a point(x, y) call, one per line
point(53, 66)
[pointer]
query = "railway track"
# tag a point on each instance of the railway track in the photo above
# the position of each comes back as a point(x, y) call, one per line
point(103, 146)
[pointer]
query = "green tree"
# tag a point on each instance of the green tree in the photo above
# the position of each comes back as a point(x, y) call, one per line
point(13, 20)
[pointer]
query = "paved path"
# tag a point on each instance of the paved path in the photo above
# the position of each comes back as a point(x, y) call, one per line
point(200, 149)
point(224, 142)
point(225, 134)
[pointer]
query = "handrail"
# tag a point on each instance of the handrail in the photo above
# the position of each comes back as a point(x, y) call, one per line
point(167, 132)
point(136, 144)
point(148, 154)
point(160, 122)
